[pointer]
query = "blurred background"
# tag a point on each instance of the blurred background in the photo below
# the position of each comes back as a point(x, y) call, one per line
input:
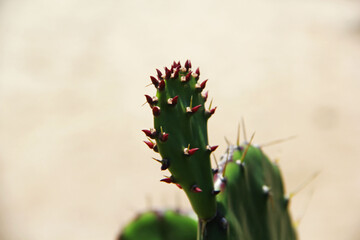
point(72, 79)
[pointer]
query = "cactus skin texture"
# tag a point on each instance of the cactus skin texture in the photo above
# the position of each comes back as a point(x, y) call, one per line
point(180, 132)
point(252, 203)
point(244, 198)
point(160, 225)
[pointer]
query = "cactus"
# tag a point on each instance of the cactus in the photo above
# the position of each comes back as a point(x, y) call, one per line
point(160, 225)
point(244, 197)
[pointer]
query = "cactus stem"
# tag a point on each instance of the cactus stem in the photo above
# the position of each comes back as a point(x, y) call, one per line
point(212, 148)
point(156, 111)
point(154, 81)
point(173, 101)
point(195, 189)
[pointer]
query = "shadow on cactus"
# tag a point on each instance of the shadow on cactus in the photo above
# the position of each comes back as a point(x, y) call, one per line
point(242, 198)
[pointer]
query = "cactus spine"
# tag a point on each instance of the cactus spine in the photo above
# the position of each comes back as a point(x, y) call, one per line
point(242, 199)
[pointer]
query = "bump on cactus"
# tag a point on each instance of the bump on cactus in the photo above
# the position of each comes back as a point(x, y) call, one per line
point(244, 198)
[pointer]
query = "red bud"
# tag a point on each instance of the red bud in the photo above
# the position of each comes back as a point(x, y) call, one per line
point(154, 81)
point(150, 144)
point(159, 74)
point(196, 108)
point(162, 85)
point(156, 111)
point(196, 189)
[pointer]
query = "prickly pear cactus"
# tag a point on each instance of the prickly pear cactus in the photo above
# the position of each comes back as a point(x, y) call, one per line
point(180, 134)
point(160, 225)
point(252, 203)
point(248, 200)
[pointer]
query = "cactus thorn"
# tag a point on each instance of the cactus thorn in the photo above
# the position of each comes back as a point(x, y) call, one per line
point(156, 111)
point(195, 109)
point(244, 129)
point(247, 148)
point(163, 136)
point(238, 136)
point(304, 184)
point(212, 111)
point(175, 74)
point(149, 100)
point(195, 189)
point(167, 73)
point(178, 185)
point(190, 152)
point(216, 162)
point(277, 141)
point(150, 133)
point(167, 180)
point(159, 74)
point(165, 164)
point(203, 84)
point(154, 81)
point(173, 101)
point(187, 65)
point(212, 148)
point(150, 144)
point(158, 160)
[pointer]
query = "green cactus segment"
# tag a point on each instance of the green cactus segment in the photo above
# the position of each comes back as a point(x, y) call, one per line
point(156, 225)
point(252, 203)
point(180, 131)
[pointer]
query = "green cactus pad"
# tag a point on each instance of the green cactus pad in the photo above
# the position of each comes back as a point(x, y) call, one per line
point(180, 132)
point(252, 203)
point(160, 225)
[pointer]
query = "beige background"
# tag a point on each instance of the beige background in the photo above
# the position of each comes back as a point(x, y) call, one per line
point(72, 79)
